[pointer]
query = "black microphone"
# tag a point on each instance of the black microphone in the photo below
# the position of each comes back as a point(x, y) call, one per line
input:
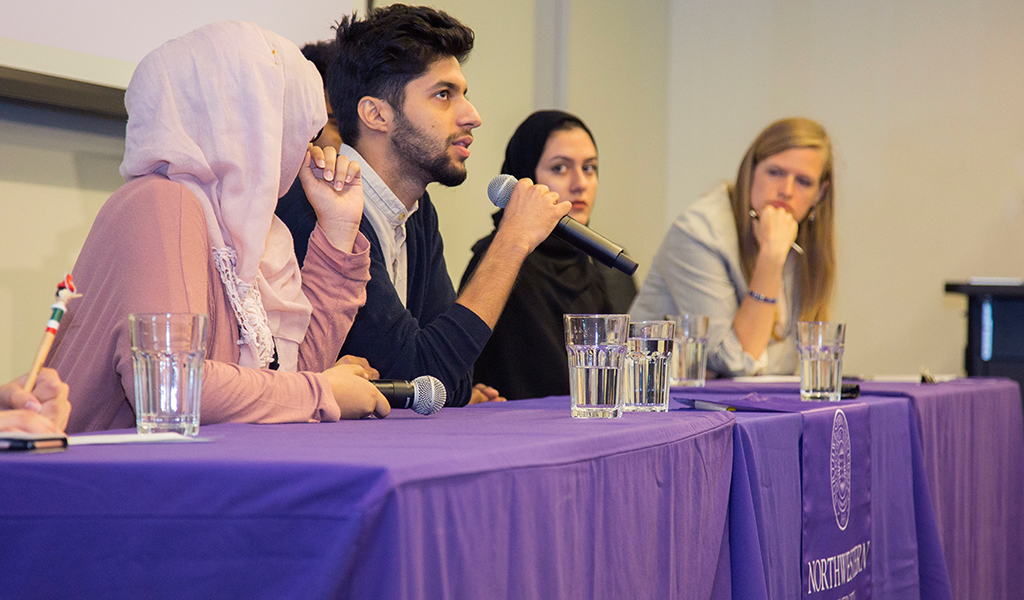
point(425, 394)
point(569, 229)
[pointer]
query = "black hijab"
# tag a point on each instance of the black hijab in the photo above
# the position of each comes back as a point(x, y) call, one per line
point(523, 152)
point(525, 356)
point(527, 144)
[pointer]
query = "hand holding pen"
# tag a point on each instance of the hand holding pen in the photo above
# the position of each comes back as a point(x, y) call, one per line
point(793, 245)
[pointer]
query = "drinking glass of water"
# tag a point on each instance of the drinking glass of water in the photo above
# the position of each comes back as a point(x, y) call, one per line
point(167, 355)
point(648, 360)
point(820, 346)
point(596, 345)
point(690, 360)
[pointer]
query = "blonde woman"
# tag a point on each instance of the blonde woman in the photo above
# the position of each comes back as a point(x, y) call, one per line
point(756, 256)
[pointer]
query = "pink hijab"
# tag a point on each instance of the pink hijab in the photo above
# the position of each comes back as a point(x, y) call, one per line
point(227, 111)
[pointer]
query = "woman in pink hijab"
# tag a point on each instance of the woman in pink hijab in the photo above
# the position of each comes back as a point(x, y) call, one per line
point(219, 125)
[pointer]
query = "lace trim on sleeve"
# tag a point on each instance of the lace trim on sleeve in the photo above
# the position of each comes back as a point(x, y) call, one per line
point(253, 327)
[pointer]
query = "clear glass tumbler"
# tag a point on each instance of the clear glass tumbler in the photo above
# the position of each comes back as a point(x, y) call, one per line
point(596, 345)
point(167, 354)
point(690, 364)
point(648, 361)
point(820, 347)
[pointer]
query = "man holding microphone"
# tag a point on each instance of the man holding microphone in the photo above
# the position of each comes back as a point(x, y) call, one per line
point(399, 97)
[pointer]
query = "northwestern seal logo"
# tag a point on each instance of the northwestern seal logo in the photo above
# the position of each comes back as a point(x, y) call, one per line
point(842, 457)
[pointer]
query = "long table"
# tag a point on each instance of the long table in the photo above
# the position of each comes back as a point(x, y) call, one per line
point(972, 440)
point(518, 500)
point(947, 482)
point(513, 500)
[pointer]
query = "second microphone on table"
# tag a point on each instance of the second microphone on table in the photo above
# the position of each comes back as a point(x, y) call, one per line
point(425, 395)
point(594, 244)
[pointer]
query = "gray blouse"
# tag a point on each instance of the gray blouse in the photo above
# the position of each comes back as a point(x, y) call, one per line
point(697, 271)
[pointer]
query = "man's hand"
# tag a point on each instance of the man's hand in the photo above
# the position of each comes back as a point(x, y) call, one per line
point(485, 393)
point(45, 410)
point(348, 359)
point(531, 214)
point(355, 395)
point(334, 187)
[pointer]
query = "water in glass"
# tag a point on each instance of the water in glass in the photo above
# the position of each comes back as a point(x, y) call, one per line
point(821, 372)
point(648, 362)
point(594, 380)
point(690, 362)
point(168, 386)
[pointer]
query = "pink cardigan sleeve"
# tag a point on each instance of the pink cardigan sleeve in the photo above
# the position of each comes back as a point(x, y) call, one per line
point(149, 251)
point(335, 284)
point(334, 281)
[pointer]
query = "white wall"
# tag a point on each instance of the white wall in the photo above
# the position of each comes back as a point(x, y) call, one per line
point(923, 102)
point(56, 170)
point(618, 86)
point(100, 41)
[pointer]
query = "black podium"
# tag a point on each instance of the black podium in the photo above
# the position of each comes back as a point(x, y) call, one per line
point(995, 329)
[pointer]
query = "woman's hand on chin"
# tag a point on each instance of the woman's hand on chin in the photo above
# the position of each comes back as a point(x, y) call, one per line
point(775, 231)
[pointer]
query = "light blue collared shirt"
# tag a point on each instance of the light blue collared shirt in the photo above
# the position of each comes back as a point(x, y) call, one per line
point(387, 215)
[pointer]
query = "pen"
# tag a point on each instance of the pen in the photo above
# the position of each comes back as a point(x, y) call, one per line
point(702, 405)
point(65, 292)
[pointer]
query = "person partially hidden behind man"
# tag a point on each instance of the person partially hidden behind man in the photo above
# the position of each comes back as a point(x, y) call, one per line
point(294, 208)
point(399, 97)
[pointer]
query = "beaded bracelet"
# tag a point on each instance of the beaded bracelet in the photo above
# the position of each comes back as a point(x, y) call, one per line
point(761, 297)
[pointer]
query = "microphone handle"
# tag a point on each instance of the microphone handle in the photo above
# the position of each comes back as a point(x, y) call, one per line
point(594, 244)
point(399, 394)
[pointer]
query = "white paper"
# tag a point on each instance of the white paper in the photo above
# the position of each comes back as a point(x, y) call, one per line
point(911, 378)
point(768, 379)
point(996, 281)
point(131, 438)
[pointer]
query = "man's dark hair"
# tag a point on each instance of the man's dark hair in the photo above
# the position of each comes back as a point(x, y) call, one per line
point(321, 54)
point(381, 54)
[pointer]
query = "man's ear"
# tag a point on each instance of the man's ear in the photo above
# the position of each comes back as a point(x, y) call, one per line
point(375, 114)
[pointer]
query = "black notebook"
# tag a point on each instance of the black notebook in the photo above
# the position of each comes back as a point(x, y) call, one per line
point(15, 441)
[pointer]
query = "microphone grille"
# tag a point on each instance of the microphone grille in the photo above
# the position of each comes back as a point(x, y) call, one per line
point(429, 396)
point(499, 190)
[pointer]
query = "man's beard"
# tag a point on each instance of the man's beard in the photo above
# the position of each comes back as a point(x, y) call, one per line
point(422, 154)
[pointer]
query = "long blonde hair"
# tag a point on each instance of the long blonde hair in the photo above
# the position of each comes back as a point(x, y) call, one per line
point(816, 234)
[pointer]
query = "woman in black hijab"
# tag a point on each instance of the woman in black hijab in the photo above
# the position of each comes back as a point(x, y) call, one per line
point(525, 357)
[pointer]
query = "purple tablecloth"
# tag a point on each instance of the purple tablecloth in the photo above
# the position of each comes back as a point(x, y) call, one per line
point(947, 463)
point(972, 440)
point(766, 550)
point(765, 519)
point(493, 501)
